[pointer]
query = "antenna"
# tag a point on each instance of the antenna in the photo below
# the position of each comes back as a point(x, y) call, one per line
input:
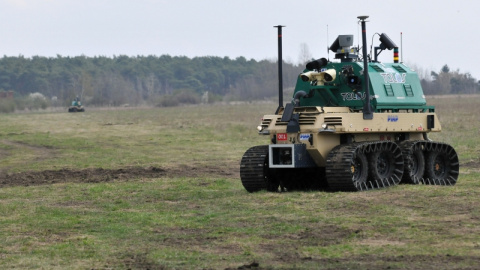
point(280, 72)
point(367, 109)
point(401, 47)
point(358, 36)
point(328, 51)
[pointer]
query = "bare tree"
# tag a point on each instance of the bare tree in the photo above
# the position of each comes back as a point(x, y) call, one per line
point(304, 55)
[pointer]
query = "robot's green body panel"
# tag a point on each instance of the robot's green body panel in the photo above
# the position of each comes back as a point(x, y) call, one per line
point(393, 86)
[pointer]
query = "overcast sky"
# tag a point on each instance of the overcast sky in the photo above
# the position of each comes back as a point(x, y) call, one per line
point(435, 33)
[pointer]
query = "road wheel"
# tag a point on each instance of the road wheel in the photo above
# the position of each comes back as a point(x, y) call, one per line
point(415, 168)
point(359, 168)
point(382, 165)
point(438, 167)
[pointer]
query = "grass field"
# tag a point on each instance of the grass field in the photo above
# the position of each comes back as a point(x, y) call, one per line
point(160, 189)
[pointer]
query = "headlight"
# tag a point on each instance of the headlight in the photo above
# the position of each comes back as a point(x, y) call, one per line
point(324, 125)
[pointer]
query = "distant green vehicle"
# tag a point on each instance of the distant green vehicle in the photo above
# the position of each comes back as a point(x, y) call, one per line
point(76, 106)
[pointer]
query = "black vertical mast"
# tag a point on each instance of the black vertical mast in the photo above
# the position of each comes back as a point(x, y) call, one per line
point(280, 72)
point(367, 108)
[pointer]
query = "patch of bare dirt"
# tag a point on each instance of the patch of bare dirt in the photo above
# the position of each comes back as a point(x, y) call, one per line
point(325, 236)
point(140, 261)
point(253, 265)
point(400, 262)
point(376, 262)
point(474, 164)
point(98, 175)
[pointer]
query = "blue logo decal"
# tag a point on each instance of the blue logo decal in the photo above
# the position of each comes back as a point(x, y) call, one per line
point(304, 137)
point(392, 118)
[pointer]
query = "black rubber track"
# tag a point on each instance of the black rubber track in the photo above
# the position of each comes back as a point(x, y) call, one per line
point(412, 152)
point(340, 168)
point(443, 173)
point(254, 168)
point(442, 166)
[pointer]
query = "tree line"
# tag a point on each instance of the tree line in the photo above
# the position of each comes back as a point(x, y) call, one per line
point(164, 80)
point(450, 82)
point(119, 80)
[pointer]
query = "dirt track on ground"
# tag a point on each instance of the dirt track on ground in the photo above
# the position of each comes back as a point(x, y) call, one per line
point(99, 175)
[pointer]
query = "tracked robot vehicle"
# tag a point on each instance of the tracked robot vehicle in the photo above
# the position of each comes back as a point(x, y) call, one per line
point(76, 106)
point(354, 124)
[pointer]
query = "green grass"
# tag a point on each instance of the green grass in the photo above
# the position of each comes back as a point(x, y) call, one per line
point(460, 119)
point(115, 139)
point(209, 221)
point(181, 223)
